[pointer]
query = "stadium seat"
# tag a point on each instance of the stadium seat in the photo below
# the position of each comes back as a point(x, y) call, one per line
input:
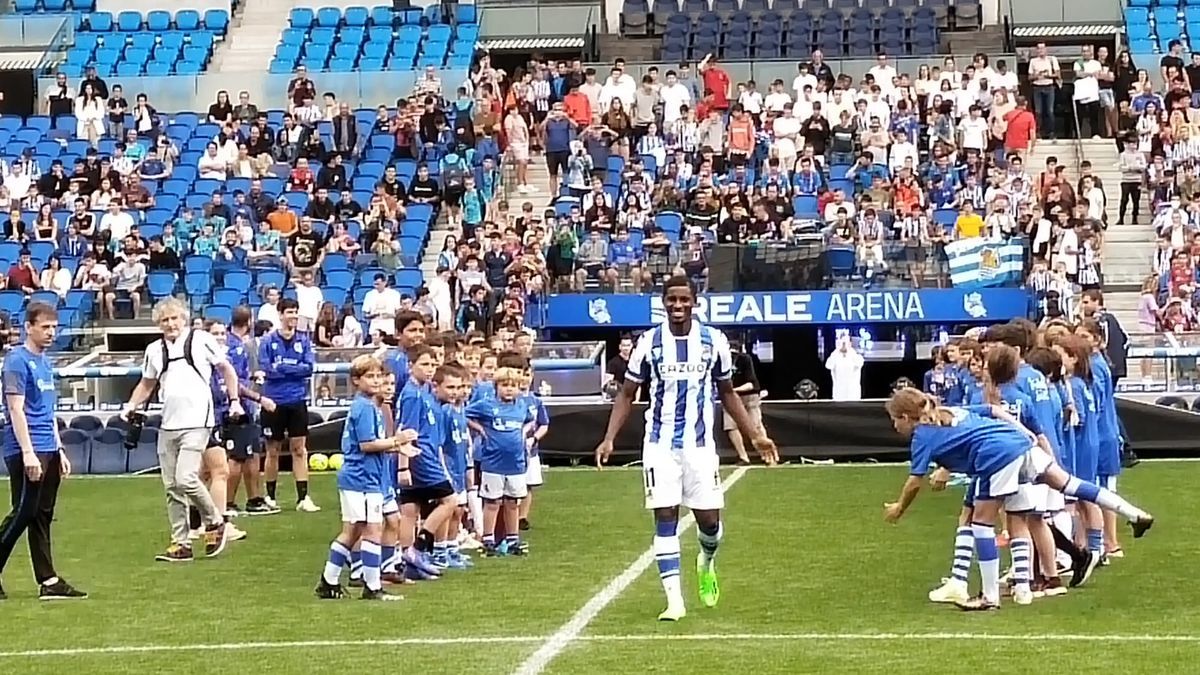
point(77, 445)
point(144, 456)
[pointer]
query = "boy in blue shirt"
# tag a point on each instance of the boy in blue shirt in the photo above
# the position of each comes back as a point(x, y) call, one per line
point(32, 451)
point(502, 425)
point(426, 494)
point(361, 485)
point(537, 431)
point(483, 389)
point(456, 441)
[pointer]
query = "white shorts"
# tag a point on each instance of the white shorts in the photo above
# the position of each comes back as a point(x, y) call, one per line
point(1014, 482)
point(533, 472)
point(497, 486)
point(688, 478)
point(390, 506)
point(460, 498)
point(361, 507)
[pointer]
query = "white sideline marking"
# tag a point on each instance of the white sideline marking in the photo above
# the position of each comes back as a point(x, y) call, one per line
point(570, 631)
point(521, 640)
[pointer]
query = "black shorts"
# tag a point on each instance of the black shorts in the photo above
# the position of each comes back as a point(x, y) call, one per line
point(241, 441)
point(556, 162)
point(289, 420)
point(425, 494)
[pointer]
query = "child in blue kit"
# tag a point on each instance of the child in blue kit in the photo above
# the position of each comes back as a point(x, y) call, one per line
point(502, 426)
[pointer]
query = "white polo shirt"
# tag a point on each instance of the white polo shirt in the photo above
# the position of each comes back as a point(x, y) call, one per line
point(186, 394)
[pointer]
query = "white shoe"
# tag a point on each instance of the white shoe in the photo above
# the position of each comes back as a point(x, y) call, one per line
point(470, 544)
point(306, 505)
point(1006, 577)
point(232, 513)
point(673, 612)
point(1022, 595)
point(951, 591)
point(271, 502)
point(232, 533)
point(1116, 553)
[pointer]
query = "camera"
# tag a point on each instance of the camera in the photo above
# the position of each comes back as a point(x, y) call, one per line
point(137, 422)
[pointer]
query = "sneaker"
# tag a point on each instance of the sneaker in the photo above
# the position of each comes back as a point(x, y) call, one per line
point(674, 612)
point(328, 591)
point(415, 573)
point(175, 553)
point(494, 551)
point(261, 508)
point(394, 578)
point(709, 589)
point(421, 562)
point(1084, 569)
point(380, 595)
point(306, 505)
point(231, 511)
point(524, 525)
point(441, 562)
point(1022, 595)
point(979, 603)
point(271, 503)
point(214, 540)
point(60, 590)
point(470, 544)
point(1116, 553)
point(1053, 588)
point(951, 591)
point(232, 533)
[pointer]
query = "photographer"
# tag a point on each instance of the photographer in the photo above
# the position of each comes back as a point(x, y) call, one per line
point(32, 452)
point(180, 367)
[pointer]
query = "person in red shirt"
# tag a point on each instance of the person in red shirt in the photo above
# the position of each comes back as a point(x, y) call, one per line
point(23, 276)
point(716, 80)
point(741, 135)
point(1020, 129)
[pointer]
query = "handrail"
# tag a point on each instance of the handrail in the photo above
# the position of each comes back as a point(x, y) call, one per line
point(1078, 134)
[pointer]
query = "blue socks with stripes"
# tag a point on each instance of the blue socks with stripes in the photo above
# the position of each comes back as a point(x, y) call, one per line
point(666, 554)
point(339, 557)
point(710, 540)
point(964, 550)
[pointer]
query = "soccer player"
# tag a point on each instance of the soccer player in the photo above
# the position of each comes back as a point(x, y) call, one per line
point(997, 452)
point(541, 426)
point(456, 441)
point(502, 427)
point(1108, 464)
point(360, 486)
point(483, 389)
point(410, 332)
point(215, 469)
point(682, 360)
point(426, 494)
point(1076, 355)
point(33, 452)
point(286, 357)
point(243, 462)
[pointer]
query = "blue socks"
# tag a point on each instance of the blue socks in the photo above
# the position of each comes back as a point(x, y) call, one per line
point(666, 554)
point(371, 563)
point(355, 565)
point(1021, 549)
point(339, 557)
point(1095, 541)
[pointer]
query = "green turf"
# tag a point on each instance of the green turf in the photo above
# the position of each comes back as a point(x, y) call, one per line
point(806, 555)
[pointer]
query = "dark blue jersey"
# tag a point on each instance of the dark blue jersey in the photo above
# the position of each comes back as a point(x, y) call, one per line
point(31, 376)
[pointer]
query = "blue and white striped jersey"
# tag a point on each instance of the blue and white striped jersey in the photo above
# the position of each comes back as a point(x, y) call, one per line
point(682, 373)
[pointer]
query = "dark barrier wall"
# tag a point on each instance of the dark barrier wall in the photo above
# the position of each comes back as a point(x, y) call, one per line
point(820, 429)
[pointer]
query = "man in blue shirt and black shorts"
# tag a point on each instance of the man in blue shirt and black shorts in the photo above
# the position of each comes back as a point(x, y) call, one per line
point(33, 452)
point(286, 358)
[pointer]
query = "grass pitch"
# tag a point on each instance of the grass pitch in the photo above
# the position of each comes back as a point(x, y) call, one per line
point(812, 579)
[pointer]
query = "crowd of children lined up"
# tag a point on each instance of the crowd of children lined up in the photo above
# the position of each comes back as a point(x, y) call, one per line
point(1054, 386)
point(442, 433)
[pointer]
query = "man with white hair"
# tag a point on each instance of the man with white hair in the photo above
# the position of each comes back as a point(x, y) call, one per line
point(179, 367)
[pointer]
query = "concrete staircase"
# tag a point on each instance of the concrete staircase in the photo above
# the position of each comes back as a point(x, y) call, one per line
point(1128, 248)
point(253, 34)
point(540, 197)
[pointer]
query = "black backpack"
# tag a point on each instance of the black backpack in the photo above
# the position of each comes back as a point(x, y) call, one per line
point(187, 356)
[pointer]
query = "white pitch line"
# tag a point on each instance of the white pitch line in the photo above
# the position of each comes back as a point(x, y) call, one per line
point(570, 631)
point(522, 640)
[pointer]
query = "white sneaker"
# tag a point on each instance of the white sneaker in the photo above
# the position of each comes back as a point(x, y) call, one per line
point(951, 591)
point(1022, 595)
point(1116, 553)
point(232, 533)
point(673, 612)
point(271, 502)
point(232, 513)
point(470, 544)
point(307, 506)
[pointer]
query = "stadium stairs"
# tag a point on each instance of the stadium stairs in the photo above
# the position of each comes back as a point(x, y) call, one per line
point(252, 38)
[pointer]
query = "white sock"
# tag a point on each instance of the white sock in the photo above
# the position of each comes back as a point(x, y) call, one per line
point(1020, 549)
point(475, 505)
point(989, 561)
point(666, 554)
point(370, 552)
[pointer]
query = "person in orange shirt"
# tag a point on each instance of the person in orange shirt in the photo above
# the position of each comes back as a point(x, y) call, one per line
point(1020, 129)
point(283, 220)
point(741, 135)
point(578, 107)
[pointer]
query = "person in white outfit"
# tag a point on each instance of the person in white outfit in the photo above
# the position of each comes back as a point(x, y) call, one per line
point(89, 115)
point(845, 366)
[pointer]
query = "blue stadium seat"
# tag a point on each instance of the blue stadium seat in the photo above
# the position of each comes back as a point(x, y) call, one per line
point(87, 424)
point(187, 20)
point(301, 17)
point(356, 16)
point(144, 457)
point(158, 21)
point(216, 20)
point(78, 447)
point(329, 17)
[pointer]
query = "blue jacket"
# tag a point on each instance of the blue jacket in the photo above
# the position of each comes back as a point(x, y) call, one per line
point(288, 365)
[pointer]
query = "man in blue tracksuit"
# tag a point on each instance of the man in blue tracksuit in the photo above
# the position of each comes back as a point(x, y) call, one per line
point(246, 440)
point(286, 358)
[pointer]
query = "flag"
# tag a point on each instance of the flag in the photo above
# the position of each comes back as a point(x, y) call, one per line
point(979, 261)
